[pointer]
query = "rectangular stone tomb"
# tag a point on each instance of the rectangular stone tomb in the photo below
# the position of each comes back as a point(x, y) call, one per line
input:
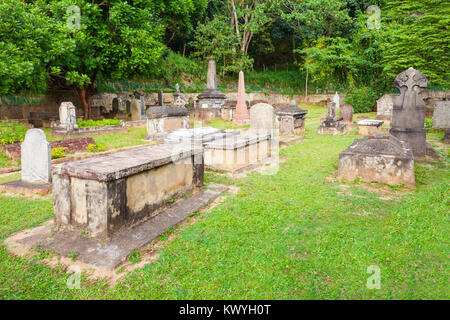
point(199, 136)
point(237, 152)
point(161, 120)
point(380, 158)
point(106, 195)
point(291, 119)
point(367, 127)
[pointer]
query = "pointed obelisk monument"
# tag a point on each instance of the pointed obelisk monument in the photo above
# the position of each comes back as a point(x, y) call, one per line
point(241, 115)
point(211, 98)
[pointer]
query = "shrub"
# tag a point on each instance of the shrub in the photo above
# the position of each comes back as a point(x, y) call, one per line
point(11, 132)
point(428, 123)
point(58, 152)
point(362, 99)
point(95, 147)
point(99, 123)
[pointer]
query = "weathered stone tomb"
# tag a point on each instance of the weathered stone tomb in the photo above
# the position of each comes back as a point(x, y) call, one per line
point(380, 158)
point(331, 124)
point(161, 120)
point(367, 127)
point(106, 195)
point(290, 119)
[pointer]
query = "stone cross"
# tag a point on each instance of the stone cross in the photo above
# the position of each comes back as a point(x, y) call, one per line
point(408, 114)
point(36, 157)
point(262, 118)
point(211, 77)
point(241, 115)
point(336, 100)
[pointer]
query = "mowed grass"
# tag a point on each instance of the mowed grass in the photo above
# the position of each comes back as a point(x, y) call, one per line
point(292, 235)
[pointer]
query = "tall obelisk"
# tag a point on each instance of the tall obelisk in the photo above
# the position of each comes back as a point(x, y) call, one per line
point(241, 115)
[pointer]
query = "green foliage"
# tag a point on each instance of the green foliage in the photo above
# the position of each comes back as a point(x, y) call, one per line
point(362, 99)
point(95, 147)
point(418, 37)
point(135, 257)
point(11, 132)
point(97, 123)
point(428, 123)
point(58, 152)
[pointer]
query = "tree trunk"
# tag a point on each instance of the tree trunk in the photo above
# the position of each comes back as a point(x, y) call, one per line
point(82, 95)
point(306, 86)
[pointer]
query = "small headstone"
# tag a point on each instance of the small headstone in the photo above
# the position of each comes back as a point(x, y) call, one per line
point(67, 114)
point(336, 100)
point(441, 115)
point(36, 157)
point(346, 112)
point(262, 118)
point(135, 110)
point(384, 107)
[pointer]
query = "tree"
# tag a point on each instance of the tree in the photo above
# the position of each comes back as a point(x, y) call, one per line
point(418, 37)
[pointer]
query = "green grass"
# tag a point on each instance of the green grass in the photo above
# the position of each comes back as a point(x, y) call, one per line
point(222, 124)
point(287, 236)
point(7, 161)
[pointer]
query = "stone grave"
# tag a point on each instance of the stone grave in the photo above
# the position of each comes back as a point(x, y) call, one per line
point(346, 113)
point(237, 153)
point(262, 119)
point(331, 124)
point(290, 119)
point(337, 100)
point(367, 127)
point(35, 164)
point(107, 207)
point(211, 99)
point(162, 120)
point(384, 108)
point(241, 115)
point(408, 115)
point(380, 158)
point(441, 118)
point(67, 116)
point(178, 97)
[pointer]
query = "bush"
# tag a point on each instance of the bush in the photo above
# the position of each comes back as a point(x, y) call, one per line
point(362, 99)
point(11, 132)
point(58, 152)
point(95, 147)
point(99, 123)
point(428, 123)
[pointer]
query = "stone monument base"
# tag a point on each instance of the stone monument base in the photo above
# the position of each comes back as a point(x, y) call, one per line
point(416, 139)
point(110, 254)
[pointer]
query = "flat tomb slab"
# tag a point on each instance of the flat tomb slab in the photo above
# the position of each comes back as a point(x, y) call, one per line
point(107, 255)
point(368, 127)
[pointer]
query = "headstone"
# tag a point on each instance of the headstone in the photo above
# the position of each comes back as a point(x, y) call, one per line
point(331, 124)
point(135, 110)
point(262, 118)
point(384, 107)
point(67, 114)
point(346, 112)
point(408, 114)
point(241, 115)
point(336, 100)
point(36, 157)
point(441, 118)
point(293, 102)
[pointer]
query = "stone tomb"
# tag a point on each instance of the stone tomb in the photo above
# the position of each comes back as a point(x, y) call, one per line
point(211, 99)
point(380, 158)
point(161, 120)
point(67, 115)
point(290, 119)
point(331, 124)
point(105, 195)
point(235, 153)
point(366, 127)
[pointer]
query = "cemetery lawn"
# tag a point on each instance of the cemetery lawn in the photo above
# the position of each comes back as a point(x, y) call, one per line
point(298, 234)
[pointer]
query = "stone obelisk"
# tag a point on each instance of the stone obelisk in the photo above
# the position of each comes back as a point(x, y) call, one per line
point(211, 98)
point(241, 115)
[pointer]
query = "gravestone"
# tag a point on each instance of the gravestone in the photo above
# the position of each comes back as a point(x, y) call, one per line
point(441, 118)
point(384, 107)
point(178, 97)
point(262, 118)
point(36, 157)
point(408, 114)
point(211, 98)
point(67, 114)
point(346, 112)
point(135, 109)
point(336, 100)
point(331, 124)
point(293, 102)
point(241, 115)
